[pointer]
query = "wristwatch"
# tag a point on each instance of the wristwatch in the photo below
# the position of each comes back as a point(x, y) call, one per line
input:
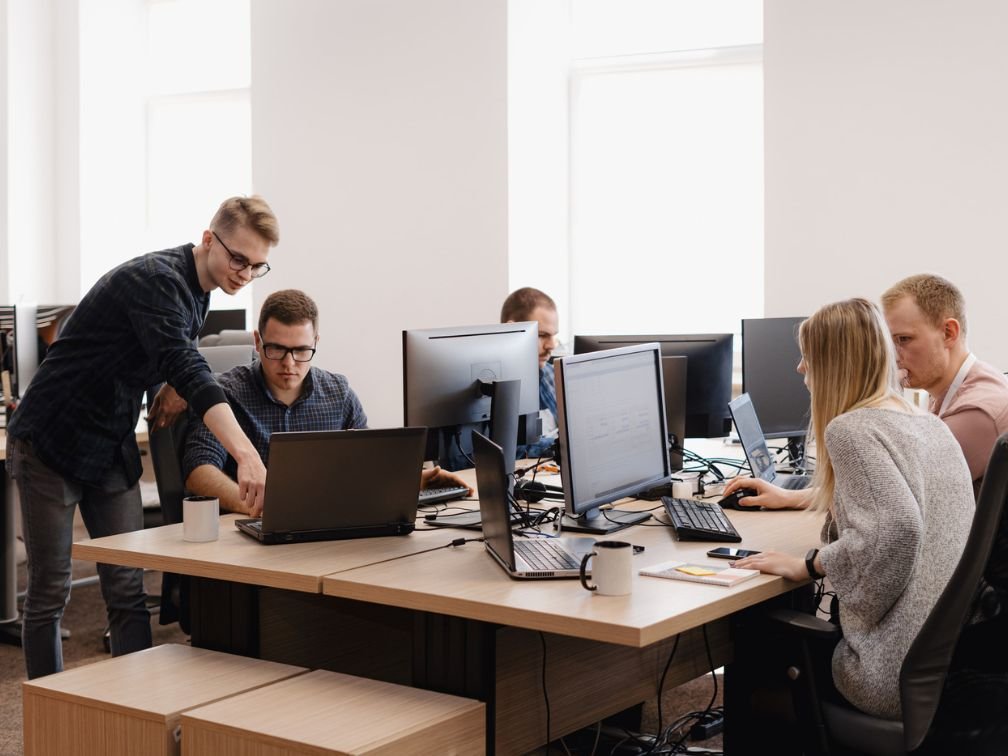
point(810, 564)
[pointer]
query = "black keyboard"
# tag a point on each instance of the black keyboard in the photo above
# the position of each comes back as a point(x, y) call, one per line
point(545, 555)
point(437, 495)
point(695, 520)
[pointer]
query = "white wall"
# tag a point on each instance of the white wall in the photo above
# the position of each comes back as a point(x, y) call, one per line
point(538, 149)
point(30, 112)
point(886, 153)
point(380, 140)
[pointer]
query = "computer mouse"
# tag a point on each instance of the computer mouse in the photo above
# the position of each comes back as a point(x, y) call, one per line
point(735, 500)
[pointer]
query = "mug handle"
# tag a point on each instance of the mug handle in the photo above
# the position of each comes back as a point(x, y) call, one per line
point(584, 566)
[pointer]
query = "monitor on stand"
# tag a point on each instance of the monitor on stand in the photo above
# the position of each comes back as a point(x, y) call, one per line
point(613, 438)
point(708, 374)
point(483, 378)
point(770, 357)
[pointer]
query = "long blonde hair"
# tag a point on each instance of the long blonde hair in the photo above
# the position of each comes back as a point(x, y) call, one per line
point(850, 363)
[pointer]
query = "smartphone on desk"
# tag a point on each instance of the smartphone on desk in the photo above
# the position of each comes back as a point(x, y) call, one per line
point(726, 552)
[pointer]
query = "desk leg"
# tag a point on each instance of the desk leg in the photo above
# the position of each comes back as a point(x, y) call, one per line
point(225, 616)
point(10, 627)
point(759, 714)
point(458, 656)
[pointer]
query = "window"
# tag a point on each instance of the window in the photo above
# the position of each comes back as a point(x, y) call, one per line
point(199, 134)
point(666, 189)
point(636, 161)
point(666, 193)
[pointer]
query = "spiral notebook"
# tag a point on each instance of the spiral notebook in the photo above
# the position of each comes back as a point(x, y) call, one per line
point(715, 574)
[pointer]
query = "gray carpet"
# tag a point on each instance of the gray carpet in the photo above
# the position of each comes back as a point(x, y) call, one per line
point(85, 617)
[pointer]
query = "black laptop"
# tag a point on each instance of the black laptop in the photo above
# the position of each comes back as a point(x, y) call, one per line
point(761, 462)
point(520, 557)
point(329, 485)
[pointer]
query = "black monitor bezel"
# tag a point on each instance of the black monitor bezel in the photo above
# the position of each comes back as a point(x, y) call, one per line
point(718, 423)
point(572, 506)
point(788, 378)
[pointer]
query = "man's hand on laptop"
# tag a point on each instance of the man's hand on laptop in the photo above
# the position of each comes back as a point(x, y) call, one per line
point(435, 477)
point(768, 495)
point(252, 484)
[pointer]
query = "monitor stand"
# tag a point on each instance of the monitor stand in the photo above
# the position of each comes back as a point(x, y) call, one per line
point(796, 453)
point(594, 521)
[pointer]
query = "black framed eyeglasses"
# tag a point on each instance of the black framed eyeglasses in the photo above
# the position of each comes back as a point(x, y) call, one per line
point(280, 352)
point(240, 262)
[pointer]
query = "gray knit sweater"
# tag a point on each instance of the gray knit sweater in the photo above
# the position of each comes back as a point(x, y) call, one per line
point(903, 506)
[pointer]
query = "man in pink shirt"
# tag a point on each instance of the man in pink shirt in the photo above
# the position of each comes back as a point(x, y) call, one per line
point(927, 318)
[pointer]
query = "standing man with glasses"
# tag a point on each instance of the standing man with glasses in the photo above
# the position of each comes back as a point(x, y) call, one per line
point(71, 441)
point(281, 391)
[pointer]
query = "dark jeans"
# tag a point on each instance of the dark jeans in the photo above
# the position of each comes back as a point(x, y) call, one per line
point(47, 508)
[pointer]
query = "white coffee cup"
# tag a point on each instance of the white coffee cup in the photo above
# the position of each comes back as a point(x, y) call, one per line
point(612, 571)
point(682, 489)
point(200, 518)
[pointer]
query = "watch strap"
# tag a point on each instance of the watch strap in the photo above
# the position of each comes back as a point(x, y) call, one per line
point(810, 564)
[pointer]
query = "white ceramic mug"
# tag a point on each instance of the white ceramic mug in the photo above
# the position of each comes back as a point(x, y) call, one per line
point(612, 571)
point(200, 518)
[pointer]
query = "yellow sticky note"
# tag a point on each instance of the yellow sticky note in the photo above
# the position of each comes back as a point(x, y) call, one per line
point(692, 569)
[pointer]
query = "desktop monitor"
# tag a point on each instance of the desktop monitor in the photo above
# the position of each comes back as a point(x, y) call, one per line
point(223, 320)
point(483, 378)
point(49, 323)
point(770, 357)
point(613, 439)
point(8, 345)
point(708, 374)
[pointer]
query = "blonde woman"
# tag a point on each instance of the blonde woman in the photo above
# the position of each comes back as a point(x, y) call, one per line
point(897, 495)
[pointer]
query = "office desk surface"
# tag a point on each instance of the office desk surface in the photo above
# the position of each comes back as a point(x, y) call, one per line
point(467, 582)
point(236, 557)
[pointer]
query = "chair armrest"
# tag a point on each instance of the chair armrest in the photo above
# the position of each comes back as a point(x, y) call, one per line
point(806, 625)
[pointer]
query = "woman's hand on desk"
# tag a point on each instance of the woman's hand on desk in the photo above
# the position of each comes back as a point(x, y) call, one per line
point(165, 408)
point(768, 495)
point(435, 477)
point(775, 563)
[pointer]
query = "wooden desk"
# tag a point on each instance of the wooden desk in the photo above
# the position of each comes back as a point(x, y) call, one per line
point(466, 582)
point(451, 620)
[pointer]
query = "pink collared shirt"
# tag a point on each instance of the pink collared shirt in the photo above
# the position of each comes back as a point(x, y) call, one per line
point(976, 414)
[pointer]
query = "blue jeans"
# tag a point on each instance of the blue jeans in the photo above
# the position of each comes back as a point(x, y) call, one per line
point(48, 501)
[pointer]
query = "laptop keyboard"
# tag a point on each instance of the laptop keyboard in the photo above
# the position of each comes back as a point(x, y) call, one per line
point(444, 493)
point(794, 482)
point(546, 555)
point(695, 520)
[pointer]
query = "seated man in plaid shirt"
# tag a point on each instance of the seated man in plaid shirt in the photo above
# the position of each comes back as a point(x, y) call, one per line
point(280, 391)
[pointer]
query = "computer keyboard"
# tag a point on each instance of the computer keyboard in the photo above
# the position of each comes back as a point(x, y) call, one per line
point(695, 520)
point(444, 493)
point(545, 555)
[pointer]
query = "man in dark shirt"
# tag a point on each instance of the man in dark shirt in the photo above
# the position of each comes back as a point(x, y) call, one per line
point(281, 391)
point(71, 441)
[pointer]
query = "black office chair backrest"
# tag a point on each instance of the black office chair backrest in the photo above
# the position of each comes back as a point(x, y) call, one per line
point(923, 673)
point(166, 447)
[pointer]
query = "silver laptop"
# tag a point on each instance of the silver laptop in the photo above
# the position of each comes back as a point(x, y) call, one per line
point(328, 485)
point(761, 462)
point(526, 558)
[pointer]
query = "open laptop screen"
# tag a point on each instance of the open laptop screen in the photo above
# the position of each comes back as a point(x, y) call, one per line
point(751, 435)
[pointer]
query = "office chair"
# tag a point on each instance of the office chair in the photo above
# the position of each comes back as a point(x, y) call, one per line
point(167, 446)
point(227, 337)
point(936, 684)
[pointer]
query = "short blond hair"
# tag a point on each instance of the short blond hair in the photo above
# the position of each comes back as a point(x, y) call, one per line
point(938, 298)
point(850, 362)
point(247, 212)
